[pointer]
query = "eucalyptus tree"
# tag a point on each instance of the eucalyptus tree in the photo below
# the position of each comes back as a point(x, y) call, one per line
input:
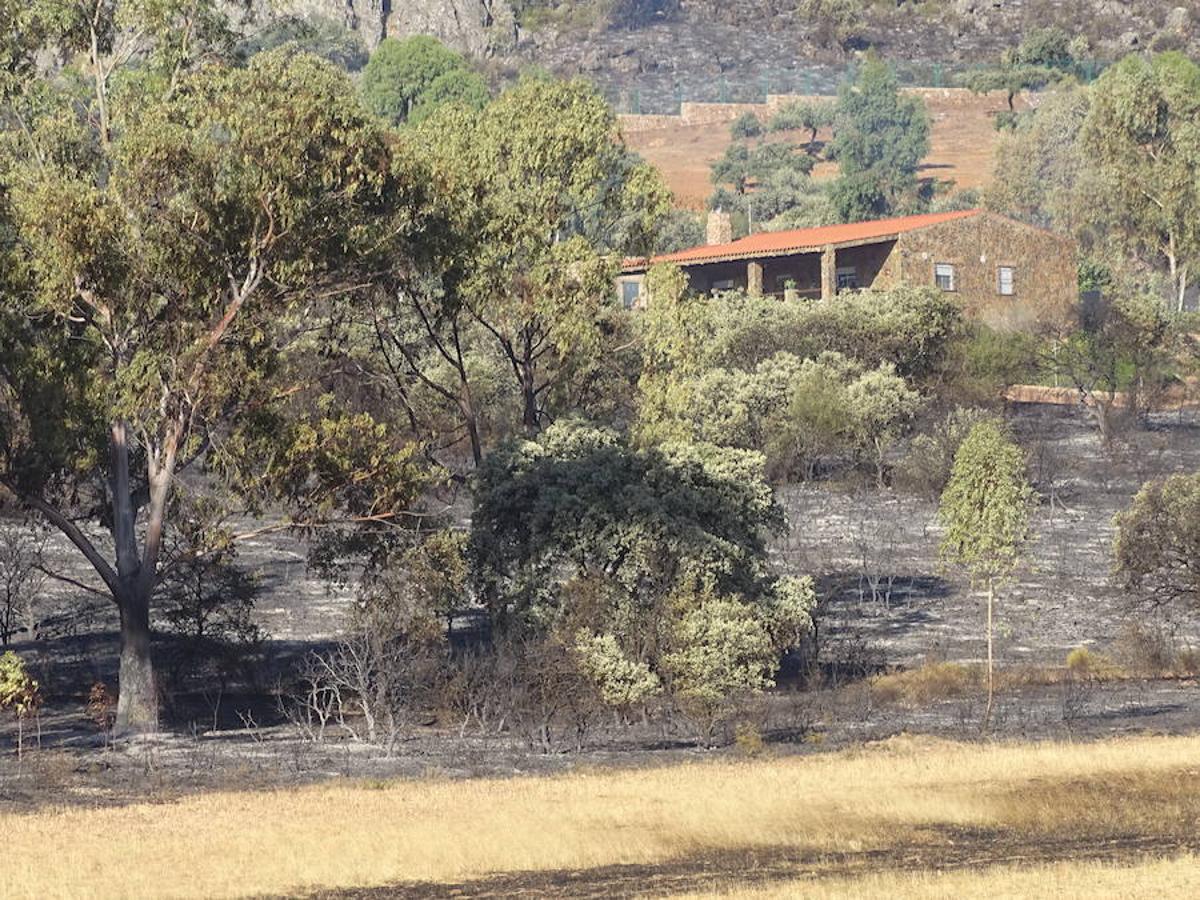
point(172, 223)
point(1142, 133)
point(984, 512)
point(540, 201)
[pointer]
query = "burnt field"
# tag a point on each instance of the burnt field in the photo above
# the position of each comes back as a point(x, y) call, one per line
point(886, 604)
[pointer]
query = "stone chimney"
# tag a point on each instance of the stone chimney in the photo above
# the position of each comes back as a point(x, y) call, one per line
point(720, 227)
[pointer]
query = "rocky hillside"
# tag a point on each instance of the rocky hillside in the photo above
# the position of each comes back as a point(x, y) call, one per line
point(648, 54)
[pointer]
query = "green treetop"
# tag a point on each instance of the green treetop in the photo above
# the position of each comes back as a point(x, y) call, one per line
point(984, 512)
point(406, 79)
point(880, 138)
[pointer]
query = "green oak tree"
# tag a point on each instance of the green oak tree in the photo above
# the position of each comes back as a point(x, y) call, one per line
point(1157, 548)
point(405, 79)
point(880, 138)
point(651, 563)
point(984, 513)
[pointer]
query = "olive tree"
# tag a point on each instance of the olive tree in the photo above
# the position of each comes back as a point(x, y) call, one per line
point(984, 513)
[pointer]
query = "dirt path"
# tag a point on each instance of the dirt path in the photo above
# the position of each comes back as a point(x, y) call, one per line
point(945, 849)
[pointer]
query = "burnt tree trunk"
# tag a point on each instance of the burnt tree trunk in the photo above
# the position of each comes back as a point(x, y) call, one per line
point(137, 699)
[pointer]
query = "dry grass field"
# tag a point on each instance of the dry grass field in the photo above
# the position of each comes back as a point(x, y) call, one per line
point(963, 140)
point(905, 816)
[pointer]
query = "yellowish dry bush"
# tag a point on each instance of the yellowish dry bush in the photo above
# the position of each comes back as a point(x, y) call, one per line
point(928, 683)
point(883, 795)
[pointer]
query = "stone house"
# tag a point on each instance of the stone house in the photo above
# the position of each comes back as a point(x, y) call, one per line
point(1007, 273)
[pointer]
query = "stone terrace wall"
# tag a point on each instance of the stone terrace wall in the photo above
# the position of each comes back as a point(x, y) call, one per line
point(718, 113)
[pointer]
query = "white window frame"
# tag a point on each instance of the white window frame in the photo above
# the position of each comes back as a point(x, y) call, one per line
point(626, 301)
point(846, 278)
point(724, 284)
point(1012, 281)
point(945, 270)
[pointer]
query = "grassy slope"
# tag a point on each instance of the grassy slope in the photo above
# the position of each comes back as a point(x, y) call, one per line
point(962, 143)
point(852, 813)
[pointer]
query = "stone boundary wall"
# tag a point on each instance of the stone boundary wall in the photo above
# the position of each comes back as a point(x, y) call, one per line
point(692, 113)
point(1180, 397)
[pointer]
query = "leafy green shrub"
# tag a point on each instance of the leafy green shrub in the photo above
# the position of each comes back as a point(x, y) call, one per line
point(747, 125)
point(989, 361)
point(1157, 548)
point(405, 79)
point(19, 693)
point(648, 564)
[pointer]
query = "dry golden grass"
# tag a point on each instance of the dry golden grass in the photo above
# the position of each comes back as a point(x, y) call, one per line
point(932, 681)
point(899, 792)
point(1176, 877)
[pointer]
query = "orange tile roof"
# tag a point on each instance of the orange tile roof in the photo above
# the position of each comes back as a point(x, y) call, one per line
point(777, 243)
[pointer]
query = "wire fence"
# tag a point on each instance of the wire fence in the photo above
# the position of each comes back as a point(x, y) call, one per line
point(664, 93)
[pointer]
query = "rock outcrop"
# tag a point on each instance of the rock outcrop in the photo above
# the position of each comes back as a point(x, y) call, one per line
point(477, 27)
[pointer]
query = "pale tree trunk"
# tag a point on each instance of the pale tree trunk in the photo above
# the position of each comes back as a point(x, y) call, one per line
point(991, 687)
point(137, 699)
point(137, 576)
point(1178, 273)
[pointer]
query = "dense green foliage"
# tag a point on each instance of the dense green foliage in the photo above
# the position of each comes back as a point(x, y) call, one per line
point(503, 314)
point(914, 329)
point(985, 508)
point(166, 223)
point(880, 137)
point(798, 382)
point(1114, 166)
point(406, 80)
point(651, 563)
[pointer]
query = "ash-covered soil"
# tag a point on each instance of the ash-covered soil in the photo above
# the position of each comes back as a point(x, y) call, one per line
point(886, 602)
point(886, 594)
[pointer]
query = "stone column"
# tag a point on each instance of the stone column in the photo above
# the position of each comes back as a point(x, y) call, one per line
point(828, 273)
point(754, 279)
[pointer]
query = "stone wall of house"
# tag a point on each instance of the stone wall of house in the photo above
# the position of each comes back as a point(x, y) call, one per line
point(1045, 281)
point(876, 265)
